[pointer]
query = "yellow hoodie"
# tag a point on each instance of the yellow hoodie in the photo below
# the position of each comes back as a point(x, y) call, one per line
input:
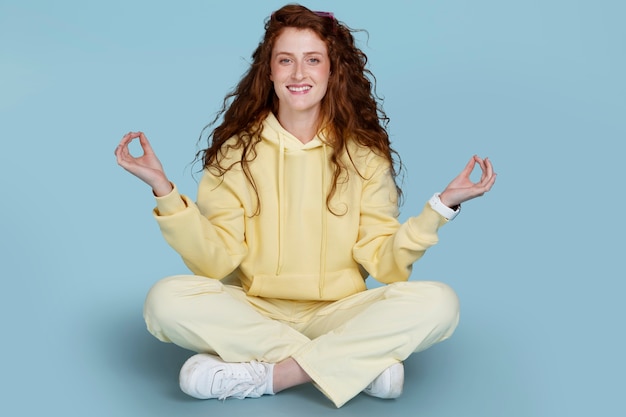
point(296, 248)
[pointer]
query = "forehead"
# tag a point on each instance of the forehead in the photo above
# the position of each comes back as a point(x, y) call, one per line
point(294, 40)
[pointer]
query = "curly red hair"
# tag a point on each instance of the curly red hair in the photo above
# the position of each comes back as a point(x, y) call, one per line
point(350, 111)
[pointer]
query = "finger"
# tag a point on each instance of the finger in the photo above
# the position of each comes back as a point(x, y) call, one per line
point(125, 157)
point(119, 151)
point(145, 144)
point(489, 166)
point(127, 138)
point(480, 161)
point(121, 147)
point(476, 160)
point(487, 171)
point(484, 170)
point(469, 167)
point(120, 157)
point(491, 182)
point(486, 186)
point(122, 152)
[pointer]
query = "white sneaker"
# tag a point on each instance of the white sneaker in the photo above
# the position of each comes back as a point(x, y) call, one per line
point(388, 384)
point(206, 376)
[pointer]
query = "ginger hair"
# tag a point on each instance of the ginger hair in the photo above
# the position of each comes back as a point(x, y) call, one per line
point(350, 110)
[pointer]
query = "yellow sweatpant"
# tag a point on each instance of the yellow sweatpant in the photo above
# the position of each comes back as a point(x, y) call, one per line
point(342, 345)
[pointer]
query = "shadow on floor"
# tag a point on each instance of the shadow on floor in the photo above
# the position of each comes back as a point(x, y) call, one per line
point(145, 370)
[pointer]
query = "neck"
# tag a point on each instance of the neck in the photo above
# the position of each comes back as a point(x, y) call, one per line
point(303, 126)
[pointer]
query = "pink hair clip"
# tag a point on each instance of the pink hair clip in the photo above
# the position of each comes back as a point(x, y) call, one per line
point(326, 14)
point(329, 15)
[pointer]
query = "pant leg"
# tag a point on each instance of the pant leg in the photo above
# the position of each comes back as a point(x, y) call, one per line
point(203, 315)
point(355, 339)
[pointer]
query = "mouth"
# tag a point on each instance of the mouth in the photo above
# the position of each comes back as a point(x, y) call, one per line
point(299, 88)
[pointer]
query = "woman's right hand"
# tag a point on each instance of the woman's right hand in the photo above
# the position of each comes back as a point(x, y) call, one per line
point(146, 167)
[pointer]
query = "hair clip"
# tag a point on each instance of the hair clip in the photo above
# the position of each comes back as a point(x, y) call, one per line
point(326, 14)
point(329, 15)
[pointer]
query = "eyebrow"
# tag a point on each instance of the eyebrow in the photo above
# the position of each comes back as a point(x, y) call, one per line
point(305, 53)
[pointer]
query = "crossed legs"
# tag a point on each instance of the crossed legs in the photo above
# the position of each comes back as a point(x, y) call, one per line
point(339, 346)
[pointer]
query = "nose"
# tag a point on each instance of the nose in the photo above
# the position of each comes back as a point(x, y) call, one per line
point(298, 71)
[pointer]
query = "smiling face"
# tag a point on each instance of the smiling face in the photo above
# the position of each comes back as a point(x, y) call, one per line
point(300, 69)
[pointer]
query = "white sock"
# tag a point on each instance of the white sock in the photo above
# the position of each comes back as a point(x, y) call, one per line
point(269, 384)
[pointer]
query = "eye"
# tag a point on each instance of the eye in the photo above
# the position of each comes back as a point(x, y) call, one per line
point(314, 60)
point(284, 61)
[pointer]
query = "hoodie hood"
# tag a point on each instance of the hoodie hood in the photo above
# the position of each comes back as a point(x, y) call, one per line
point(275, 133)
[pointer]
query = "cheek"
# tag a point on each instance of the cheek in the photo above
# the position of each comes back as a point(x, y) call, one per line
point(325, 75)
point(278, 74)
point(326, 72)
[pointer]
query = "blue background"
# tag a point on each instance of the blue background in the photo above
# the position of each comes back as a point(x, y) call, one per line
point(536, 85)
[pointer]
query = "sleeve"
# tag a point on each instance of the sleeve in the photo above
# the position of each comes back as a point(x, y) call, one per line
point(386, 248)
point(209, 236)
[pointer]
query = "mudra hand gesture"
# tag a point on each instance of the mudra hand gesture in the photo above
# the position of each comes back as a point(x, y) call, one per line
point(462, 189)
point(146, 167)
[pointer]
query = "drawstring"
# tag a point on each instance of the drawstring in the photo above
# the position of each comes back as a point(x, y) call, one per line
point(323, 246)
point(281, 201)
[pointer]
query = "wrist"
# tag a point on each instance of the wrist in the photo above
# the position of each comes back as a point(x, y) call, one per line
point(163, 189)
point(440, 207)
point(443, 197)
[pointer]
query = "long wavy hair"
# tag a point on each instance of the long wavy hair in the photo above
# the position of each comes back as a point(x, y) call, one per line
point(350, 110)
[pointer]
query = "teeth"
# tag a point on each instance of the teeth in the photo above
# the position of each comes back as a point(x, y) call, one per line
point(299, 89)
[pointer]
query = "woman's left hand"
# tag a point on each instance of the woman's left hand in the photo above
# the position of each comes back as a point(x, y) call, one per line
point(462, 189)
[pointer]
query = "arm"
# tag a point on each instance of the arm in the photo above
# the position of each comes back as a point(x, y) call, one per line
point(209, 235)
point(209, 239)
point(386, 249)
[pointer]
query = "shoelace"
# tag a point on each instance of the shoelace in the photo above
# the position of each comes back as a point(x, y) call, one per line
point(240, 388)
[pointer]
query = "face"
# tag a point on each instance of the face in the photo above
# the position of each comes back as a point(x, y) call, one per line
point(300, 69)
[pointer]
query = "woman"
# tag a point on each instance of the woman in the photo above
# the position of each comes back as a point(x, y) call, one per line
point(296, 206)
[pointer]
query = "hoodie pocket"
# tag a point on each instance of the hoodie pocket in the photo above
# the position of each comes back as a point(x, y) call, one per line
point(337, 285)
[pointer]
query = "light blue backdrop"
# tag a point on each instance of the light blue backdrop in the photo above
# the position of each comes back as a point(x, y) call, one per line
point(537, 85)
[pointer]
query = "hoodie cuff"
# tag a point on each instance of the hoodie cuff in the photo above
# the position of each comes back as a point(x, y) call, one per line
point(445, 211)
point(170, 204)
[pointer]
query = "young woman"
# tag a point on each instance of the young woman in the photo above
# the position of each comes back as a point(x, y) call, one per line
point(296, 207)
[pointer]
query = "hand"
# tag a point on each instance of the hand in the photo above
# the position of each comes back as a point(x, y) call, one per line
point(146, 167)
point(462, 189)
